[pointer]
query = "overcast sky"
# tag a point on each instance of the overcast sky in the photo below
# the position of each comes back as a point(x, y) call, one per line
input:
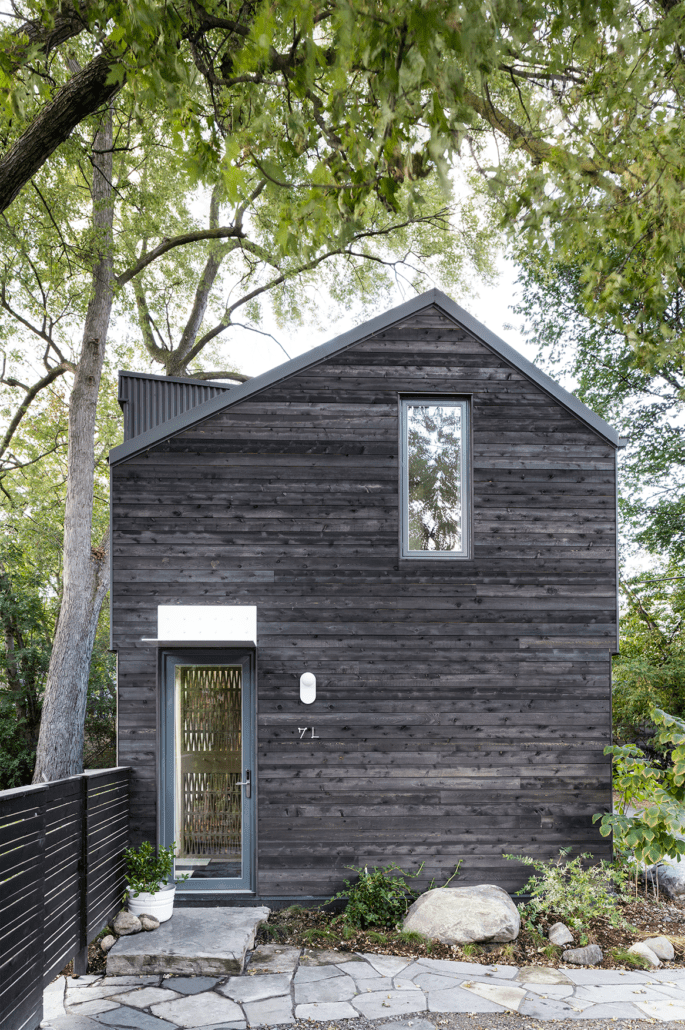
point(254, 354)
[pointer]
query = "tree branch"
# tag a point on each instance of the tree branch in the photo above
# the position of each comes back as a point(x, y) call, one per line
point(539, 150)
point(65, 22)
point(81, 96)
point(31, 394)
point(224, 233)
point(204, 288)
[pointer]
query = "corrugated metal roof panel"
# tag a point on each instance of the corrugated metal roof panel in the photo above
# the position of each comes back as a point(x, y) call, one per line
point(148, 401)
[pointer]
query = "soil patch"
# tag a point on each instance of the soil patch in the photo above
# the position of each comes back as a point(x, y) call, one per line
point(643, 916)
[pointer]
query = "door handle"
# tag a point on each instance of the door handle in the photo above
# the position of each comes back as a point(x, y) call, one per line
point(246, 783)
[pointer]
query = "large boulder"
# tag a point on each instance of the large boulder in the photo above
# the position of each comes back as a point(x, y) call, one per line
point(670, 877)
point(465, 915)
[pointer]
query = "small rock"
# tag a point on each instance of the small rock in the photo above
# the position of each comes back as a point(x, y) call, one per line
point(560, 934)
point(462, 915)
point(662, 948)
point(149, 922)
point(107, 942)
point(641, 949)
point(126, 923)
point(591, 955)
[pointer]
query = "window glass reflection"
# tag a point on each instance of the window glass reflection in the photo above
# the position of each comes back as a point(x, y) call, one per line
point(435, 442)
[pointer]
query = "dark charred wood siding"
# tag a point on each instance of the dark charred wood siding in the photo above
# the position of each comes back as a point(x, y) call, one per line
point(463, 705)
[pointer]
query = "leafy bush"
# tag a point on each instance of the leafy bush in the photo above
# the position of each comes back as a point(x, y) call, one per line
point(147, 868)
point(654, 830)
point(570, 890)
point(380, 897)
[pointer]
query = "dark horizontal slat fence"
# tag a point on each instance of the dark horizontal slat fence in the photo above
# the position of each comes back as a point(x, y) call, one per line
point(61, 881)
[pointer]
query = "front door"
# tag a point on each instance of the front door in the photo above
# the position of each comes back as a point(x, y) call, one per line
point(207, 788)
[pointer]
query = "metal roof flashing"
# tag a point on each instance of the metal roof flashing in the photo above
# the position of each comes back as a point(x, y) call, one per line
point(173, 426)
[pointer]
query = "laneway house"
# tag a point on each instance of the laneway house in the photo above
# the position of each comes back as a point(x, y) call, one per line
point(364, 607)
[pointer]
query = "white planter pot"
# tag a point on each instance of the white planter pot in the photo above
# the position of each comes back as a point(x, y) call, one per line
point(160, 904)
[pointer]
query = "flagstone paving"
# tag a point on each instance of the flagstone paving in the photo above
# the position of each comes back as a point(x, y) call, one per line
point(282, 986)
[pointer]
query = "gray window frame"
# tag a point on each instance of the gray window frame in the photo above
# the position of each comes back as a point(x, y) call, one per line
point(467, 504)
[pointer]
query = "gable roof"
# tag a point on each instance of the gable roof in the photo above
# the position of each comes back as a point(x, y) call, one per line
point(375, 325)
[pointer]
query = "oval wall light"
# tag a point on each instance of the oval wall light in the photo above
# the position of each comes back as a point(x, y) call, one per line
point(307, 688)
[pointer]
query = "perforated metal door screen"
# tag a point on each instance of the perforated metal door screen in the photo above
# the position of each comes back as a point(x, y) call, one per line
point(208, 762)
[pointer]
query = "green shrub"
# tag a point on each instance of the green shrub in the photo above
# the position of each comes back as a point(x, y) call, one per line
point(654, 829)
point(147, 867)
point(379, 897)
point(572, 891)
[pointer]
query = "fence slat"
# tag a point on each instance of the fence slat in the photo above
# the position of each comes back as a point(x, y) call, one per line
point(61, 881)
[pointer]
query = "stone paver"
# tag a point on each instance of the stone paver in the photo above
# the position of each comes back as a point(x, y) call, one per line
point(200, 941)
point(508, 996)
point(211, 1007)
point(337, 988)
point(458, 1000)
point(94, 1007)
point(190, 984)
point(239, 1025)
point(133, 1018)
point(389, 1003)
point(144, 998)
point(124, 981)
point(255, 988)
point(272, 1010)
point(71, 1021)
point(327, 1010)
point(53, 999)
point(388, 965)
point(94, 991)
point(542, 975)
point(282, 984)
point(273, 958)
point(309, 974)
point(665, 1010)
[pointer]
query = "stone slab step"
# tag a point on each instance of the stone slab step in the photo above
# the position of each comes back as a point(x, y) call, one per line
point(196, 941)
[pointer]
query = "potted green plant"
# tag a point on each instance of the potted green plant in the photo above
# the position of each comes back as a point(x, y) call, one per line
point(150, 888)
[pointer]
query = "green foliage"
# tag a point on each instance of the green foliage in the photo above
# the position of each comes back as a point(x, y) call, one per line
point(629, 958)
point(650, 670)
point(654, 829)
point(149, 868)
point(644, 403)
point(380, 897)
point(99, 751)
point(25, 631)
point(572, 890)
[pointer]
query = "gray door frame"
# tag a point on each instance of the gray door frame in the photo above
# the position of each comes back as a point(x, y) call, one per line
point(168, 660)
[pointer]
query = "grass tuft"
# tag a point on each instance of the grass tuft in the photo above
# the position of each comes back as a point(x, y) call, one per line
point(471, 949)
point(629, 958)
point(411, 937)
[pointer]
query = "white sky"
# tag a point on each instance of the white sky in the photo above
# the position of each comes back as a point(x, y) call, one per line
point(254, 354)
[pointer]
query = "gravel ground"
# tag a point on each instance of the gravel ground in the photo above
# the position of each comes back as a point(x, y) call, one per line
point(489, 1021)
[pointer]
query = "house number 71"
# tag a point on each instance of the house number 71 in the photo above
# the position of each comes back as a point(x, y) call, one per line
point(303, 729)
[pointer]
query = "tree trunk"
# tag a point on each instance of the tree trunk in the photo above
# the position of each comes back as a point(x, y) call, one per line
point(85, 577)
point(82, 95)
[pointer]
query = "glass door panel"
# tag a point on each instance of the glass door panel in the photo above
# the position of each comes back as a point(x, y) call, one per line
point(209, 764)
point(207, 757)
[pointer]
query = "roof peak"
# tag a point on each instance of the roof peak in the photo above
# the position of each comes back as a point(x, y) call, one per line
point(339, 343)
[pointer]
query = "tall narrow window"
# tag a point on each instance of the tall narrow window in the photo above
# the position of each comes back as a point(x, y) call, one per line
point(435, 478)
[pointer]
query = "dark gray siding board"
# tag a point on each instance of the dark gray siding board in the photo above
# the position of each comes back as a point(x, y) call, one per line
point(463, 706)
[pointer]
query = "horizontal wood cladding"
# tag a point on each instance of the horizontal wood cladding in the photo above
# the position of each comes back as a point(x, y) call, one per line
point(462, 705)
